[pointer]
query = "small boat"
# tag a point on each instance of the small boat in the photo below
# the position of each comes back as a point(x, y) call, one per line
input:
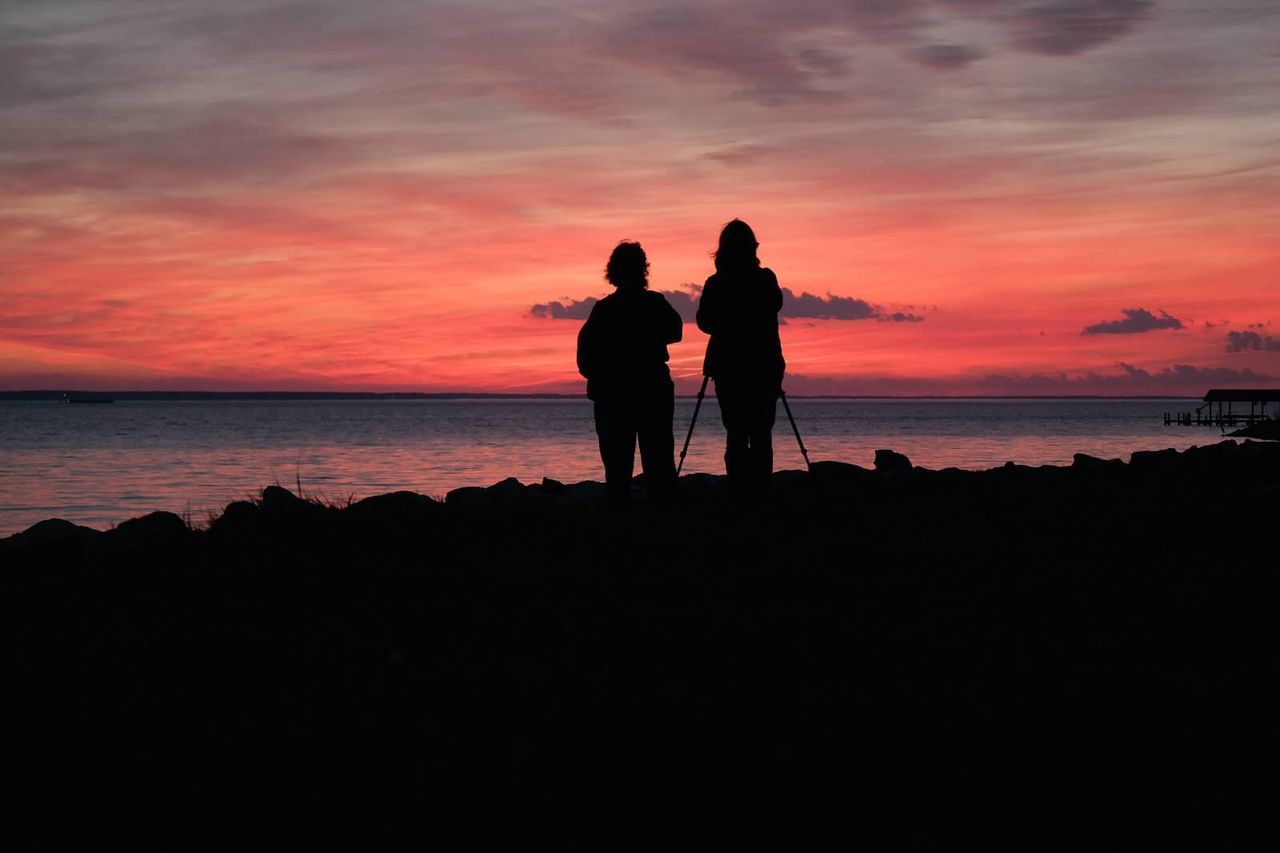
point(85, 398)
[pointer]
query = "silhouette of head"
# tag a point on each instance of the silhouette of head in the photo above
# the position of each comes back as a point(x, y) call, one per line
point(628, 268)
point(737, 249)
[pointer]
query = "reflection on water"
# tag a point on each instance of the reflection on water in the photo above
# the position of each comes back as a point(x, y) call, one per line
point(99, 465)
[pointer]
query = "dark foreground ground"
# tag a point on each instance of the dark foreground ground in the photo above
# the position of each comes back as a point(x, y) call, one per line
point(1024, 654)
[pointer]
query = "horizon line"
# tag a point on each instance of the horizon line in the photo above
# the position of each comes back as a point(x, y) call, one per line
point(51, 394)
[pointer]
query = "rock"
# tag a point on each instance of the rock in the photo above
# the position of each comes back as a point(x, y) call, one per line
point(1149, 460)
point(396, 506)
point(1265, 430)
point(280, 499)
point(55, 533)
point(510, 487)
point(841, 471)
point(893, 463)
point(553, 487)
point(239, 519)
point(503, 493)
point(155, 531)
point(394, 501)
point(591, 492)
point(691, 485)
point(1085, 461)
point(467, 496)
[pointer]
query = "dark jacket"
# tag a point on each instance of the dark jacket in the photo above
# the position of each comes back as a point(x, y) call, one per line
point(740, 313)
point(622, 348)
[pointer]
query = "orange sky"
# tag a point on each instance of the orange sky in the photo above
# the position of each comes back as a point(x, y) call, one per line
point(1064, 196)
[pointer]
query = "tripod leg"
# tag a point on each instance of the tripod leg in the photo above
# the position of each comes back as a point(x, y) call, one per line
point(698, 405)
point(795, 429)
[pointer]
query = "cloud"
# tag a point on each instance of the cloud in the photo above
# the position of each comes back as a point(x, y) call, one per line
point(752, 50)
point(1251, 342)
point(796, 306)
point(945, 57)
point(684, 301)
point(570, 309)
point(1136, 320)
point(831, 307)
point(737, 155)
point(1070, 27)
point(828, 308)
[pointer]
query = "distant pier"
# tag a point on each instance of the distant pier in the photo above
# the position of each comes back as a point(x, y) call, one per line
point(1224, 407)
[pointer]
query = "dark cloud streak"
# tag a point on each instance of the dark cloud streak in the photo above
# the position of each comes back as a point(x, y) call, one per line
point(1251, 342)
point(1070, 27)
point(945, 57)
point(794, 306)
point(1136, 321)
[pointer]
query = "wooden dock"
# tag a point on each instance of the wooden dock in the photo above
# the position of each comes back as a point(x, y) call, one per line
point(1220, 409)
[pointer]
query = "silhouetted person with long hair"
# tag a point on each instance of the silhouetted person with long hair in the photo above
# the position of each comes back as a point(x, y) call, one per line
point(739, 310)
point(622, 351)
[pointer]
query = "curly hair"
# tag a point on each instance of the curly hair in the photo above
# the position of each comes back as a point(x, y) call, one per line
point(628, 266)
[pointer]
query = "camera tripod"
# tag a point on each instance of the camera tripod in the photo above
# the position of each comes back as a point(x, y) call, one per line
point(702, 392)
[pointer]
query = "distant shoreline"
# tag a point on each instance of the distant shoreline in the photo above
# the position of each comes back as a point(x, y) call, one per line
point(221, 396)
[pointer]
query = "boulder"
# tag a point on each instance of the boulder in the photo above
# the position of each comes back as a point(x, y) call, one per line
point(279, 499)
point(1094, 463)
point(1155, 460)
point(155, 531)
point(468, 496)
point(892, 463)
point(501, 494)
point(841, 472)
point(395, 503)
point(52, 533)
point(239, 519)
point(403, 508)
point(553, 487)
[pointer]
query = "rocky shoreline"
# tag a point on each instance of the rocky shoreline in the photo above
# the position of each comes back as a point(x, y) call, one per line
point(935, 652)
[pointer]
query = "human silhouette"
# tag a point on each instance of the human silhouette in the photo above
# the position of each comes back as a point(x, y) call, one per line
point(739, 310)
point(622, 351)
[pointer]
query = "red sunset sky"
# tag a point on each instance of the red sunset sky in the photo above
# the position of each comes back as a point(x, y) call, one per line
point(979, 196)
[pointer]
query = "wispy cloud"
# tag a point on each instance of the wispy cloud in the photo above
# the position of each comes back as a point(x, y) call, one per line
point(946, 57)
point(1069, 27)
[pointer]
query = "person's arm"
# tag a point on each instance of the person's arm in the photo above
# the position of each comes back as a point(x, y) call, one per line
point(708, 304)
point(773, 292)
point(672, 322)
point(588, 345)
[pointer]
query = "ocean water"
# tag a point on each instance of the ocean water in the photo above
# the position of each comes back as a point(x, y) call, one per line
point(100, 465)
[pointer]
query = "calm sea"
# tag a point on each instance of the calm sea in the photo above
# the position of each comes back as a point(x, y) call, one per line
point(101, 464)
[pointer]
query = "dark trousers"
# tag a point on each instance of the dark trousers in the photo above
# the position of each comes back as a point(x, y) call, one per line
point(619, 422)
point(748, 411)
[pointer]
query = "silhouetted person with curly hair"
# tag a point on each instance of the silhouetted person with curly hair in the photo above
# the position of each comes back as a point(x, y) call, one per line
point(622, 351)
point(739, 310)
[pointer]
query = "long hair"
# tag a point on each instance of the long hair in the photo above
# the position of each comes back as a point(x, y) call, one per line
point(628, 267)
point(736, 251)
